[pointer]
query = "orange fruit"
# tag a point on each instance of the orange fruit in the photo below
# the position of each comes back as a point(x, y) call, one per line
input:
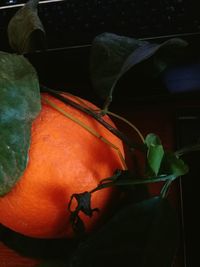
point(64, 159)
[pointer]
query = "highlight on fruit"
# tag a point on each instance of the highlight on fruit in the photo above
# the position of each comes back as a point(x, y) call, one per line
point(70, 153)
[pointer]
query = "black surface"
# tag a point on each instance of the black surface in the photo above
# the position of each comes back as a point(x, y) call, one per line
point(77, 22)
point(67, 69)
point(74, 22)
point(188, 132)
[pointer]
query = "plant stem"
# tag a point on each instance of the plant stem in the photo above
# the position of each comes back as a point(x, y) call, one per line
point(129, 123)
point(165, 190)
point(125, 182)
point(83, 104)
point(131, 145)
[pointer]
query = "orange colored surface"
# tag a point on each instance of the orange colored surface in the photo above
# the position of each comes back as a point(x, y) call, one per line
point(64, 159)
point(158, 119)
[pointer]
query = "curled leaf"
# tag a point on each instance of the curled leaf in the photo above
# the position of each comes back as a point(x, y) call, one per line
point(25, 30)
point(19, 105)
point(112, 56)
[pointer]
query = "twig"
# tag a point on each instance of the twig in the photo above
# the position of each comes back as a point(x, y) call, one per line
point(129, 123)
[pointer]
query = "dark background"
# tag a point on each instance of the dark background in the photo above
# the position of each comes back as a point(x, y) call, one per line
point(71, 26)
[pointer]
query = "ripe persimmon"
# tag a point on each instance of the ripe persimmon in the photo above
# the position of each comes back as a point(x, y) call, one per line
point(64, 158)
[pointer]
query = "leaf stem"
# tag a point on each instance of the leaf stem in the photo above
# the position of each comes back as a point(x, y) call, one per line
point(129, 123)
point(165, 190)
point(125, 182)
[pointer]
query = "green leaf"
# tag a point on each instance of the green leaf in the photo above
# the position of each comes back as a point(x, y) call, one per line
point(140, 235)
point(25, 30)
point(19, 105)
point(112, 56)
point(174, 165)
point(152, 139)
point(108, 54)
point(155, 153)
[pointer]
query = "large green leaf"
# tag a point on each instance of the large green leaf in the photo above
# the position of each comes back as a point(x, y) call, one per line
point(25, 30)
point(145, 234)
point(140, 235)
point(19, 105)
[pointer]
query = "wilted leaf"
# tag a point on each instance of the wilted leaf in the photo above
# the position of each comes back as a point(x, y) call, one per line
point(19, 105)
point(112, 56)
point(83, 205)
point(155, 153)
point(25, 30)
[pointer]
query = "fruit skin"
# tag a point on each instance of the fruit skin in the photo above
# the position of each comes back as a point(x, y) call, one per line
point(64, 159)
